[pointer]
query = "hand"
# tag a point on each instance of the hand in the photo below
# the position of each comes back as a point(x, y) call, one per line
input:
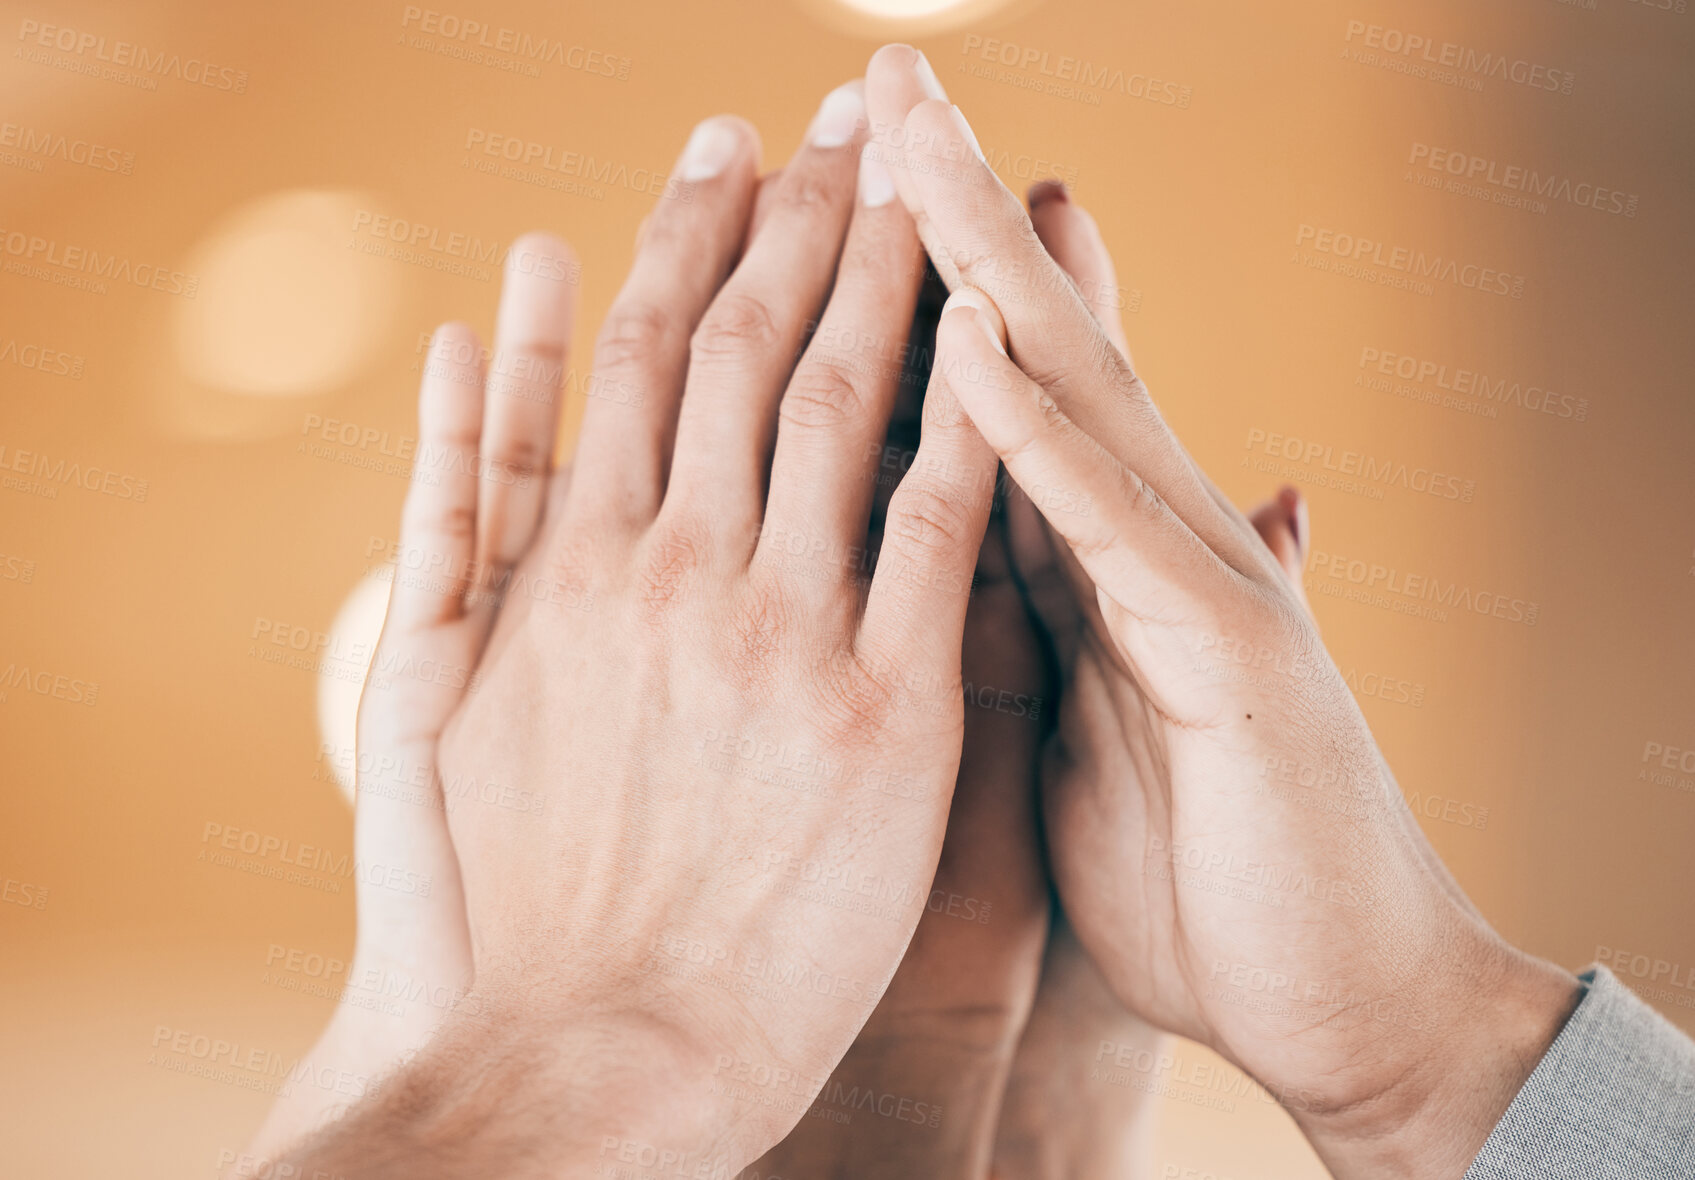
point(692, 680)
point(919, 1093)
point(1203, 722)
point(482, 476)
point(1070, 1111)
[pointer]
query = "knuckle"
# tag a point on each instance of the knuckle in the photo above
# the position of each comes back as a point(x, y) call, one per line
point(632, 334)
point(1139, 495)
point(809, 191)
point(429, 527)
point(926, 520)
point(520, 453)
point(736, 325)
point(822, 396)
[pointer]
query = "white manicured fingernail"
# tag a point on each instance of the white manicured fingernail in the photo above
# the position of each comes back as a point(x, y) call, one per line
point(981, 311)
point(710, 149)
point(927, 78)
point(964, 129)
point(838, 117)
point(876, 186)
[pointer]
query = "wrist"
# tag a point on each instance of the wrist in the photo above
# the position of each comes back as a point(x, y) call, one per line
point(498, 1092)
point(1452, 1078)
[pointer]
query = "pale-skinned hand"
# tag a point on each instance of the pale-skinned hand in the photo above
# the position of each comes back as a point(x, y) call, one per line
point(1203, 729)
point(694, 681)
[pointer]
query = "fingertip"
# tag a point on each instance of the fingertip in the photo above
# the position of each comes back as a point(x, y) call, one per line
point(539, 296)
point(450, 393)
point(968, 303)
point(1045, 192)
point(899, 66)
point(1295, 506)
point(717, 143)
point(451, 335)
point(932, 117)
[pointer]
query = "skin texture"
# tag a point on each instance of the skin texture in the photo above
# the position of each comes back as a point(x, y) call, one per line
point(1376, 1005)
point(632, 709)
point(946, 1030)
point(696, 675)
point(1059, 1119)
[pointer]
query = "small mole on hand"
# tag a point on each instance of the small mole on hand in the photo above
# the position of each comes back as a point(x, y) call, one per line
point(1250, 716)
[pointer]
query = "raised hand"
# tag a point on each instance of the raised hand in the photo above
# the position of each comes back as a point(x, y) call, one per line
point(1071, 1110)
point(482, 476)
point(693, 678)
point(1203, 721)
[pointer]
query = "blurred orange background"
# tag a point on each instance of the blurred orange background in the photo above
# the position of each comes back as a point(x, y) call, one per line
point(1451, 237)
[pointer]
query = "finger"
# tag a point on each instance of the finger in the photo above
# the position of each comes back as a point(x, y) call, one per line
point(1282, 524)
point(762, 201)
point(835, 412)
point(915, 612)
point(1130, 544)
point(1051, 333)
point(897, 79)
point(438, 525)
point(688, 246)
point(398, 804)
point(742, 353)
point(900, 440)
point(538, 301)
point(1074, 241)
point(1050, 579)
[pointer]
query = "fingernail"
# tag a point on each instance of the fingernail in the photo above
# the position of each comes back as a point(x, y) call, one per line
point(965, 130)
point(1044, 191)
point(981, 310)
point(876, 186)
point(838, 117)
point(709, 150)
point(927, 79)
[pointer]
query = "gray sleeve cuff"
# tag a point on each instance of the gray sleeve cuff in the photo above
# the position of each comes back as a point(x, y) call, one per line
point(1614, 1097)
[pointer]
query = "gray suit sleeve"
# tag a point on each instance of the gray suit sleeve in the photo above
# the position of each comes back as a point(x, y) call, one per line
point(1613, 1099)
